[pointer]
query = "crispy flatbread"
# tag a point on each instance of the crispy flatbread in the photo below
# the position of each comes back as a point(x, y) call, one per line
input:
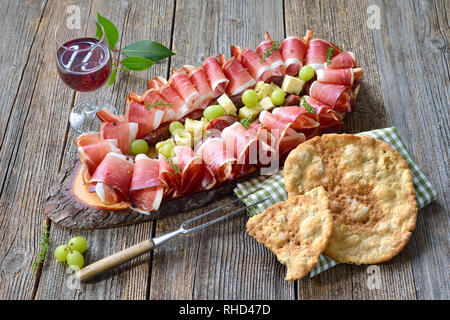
point(296, 231)
point(370, 189)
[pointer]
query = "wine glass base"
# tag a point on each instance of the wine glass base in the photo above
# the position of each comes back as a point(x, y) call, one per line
point(83, 117)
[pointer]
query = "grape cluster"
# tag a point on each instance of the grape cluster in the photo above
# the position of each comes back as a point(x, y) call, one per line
point(72, 252)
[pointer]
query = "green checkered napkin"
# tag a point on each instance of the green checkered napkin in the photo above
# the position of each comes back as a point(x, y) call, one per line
point(274, 188)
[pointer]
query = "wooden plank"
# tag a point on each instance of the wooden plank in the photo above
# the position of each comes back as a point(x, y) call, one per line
point(129, 281)
point(221, 262)
point(344, 23)
point(412, 55)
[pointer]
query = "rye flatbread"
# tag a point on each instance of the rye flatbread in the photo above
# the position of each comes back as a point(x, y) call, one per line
point(296, 231)
point(370, 189)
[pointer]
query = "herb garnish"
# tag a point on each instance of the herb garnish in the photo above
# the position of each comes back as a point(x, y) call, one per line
point(160, 104)
point(246, 122)
point(270, 51)
point(43, 248)
point(307, 105)
point(139, 55)
point(330, 52)
point(174, 165)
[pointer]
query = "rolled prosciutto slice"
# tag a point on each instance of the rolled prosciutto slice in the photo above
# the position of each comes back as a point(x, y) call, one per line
point(286, 138)
point(344, 77)
point(107, 116)
point(185, 173)
point(149, 118)
point(198, 77)
point(152, 99)
point(260, 71)
point(302, 120)
point(240, 79)
point(217, 158)
point(274, 59)
point(180, 81)
point(217, 79)
point(316, 55)
point(293, 50)
point(342, 61)
point(92, 154)
point(112, 178)
point(123, 132)
point(146, 190)
point(180, 107)
point(329, 120)
point(339, 97)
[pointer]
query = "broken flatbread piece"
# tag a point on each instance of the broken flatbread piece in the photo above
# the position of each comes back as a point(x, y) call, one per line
point(296, 231)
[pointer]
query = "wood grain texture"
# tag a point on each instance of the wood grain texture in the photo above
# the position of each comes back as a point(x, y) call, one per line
point(412, 58)
point(344, 23)
point(128, 281)
point(220, 262)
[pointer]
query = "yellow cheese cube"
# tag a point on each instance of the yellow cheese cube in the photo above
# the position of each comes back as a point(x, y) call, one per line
point(263, 90)
point(183, 138)
point(292, 85)
point(252, 112)
point(161, 143)
point(267, 103)
point(227, 104)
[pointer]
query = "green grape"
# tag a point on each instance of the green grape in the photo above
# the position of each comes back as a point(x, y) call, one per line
point(178, 132)
point(166, 149)
point(78, 243)
point(250, 98)
point(61, 252)
point(277, 97)
point(213, 111)
point(139, 146)
point(175, 125)
point(306, 73)
point(75, 260)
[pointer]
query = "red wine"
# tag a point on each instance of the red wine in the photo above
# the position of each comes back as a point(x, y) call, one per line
point(84, 64)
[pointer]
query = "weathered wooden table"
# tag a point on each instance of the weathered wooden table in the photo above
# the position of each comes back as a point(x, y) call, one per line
point(406, 85)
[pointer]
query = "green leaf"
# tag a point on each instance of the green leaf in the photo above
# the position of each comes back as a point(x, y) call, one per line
point(147, 49)
point(112, 77)
point(99, 32)
point(112, 35)
point(137, 63)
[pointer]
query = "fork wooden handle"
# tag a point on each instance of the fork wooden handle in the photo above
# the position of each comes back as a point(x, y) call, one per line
point(114, 260)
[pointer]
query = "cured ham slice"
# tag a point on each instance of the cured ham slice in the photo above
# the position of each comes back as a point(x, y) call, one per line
point(240, 79)
point(343, 77)
point(260, 71)
point(285, 136)
point(113, 177)
point(152, 99)
point(316, 55)
point(146, 190)
point(343, 60)
point(217, 79)
point(198, 77)
point(339, 97)
point(87, 138)
point(217, 158)
point(329, 120)
point(185, 173)
point(180, 107)
point(293, 50)
point(180, 81)
point(148, 118)
point(302, 120)
point(275, 59)
point(123, 132)
point(107, 116)
point(92, 154)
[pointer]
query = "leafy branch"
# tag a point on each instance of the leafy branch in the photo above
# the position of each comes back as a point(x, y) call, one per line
point(43, 248)
point(330, 52)
point(139, 55)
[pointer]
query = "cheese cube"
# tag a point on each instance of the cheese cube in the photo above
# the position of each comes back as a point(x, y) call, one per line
point(159, 144)
point(227, 104)
point(263, 89)
point(183, 138)
point(292, 85)
point(195, 128)
point(267, 104)
point(252, 112)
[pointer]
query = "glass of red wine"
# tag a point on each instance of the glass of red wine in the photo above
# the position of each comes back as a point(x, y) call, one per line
point(84, 64)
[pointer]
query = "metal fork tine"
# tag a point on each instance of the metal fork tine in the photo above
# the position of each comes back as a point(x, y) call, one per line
point(207, 213)
point(206, 224)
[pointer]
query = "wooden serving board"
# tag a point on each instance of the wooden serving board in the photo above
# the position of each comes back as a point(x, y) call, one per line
point(64, 209)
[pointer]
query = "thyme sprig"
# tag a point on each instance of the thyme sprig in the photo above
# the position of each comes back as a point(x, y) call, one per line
point(174, 165)
point(246, 122)
point(330, 52)
point(43, 248)
point(307, 105)
point(160, 104)
point(270, 51)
